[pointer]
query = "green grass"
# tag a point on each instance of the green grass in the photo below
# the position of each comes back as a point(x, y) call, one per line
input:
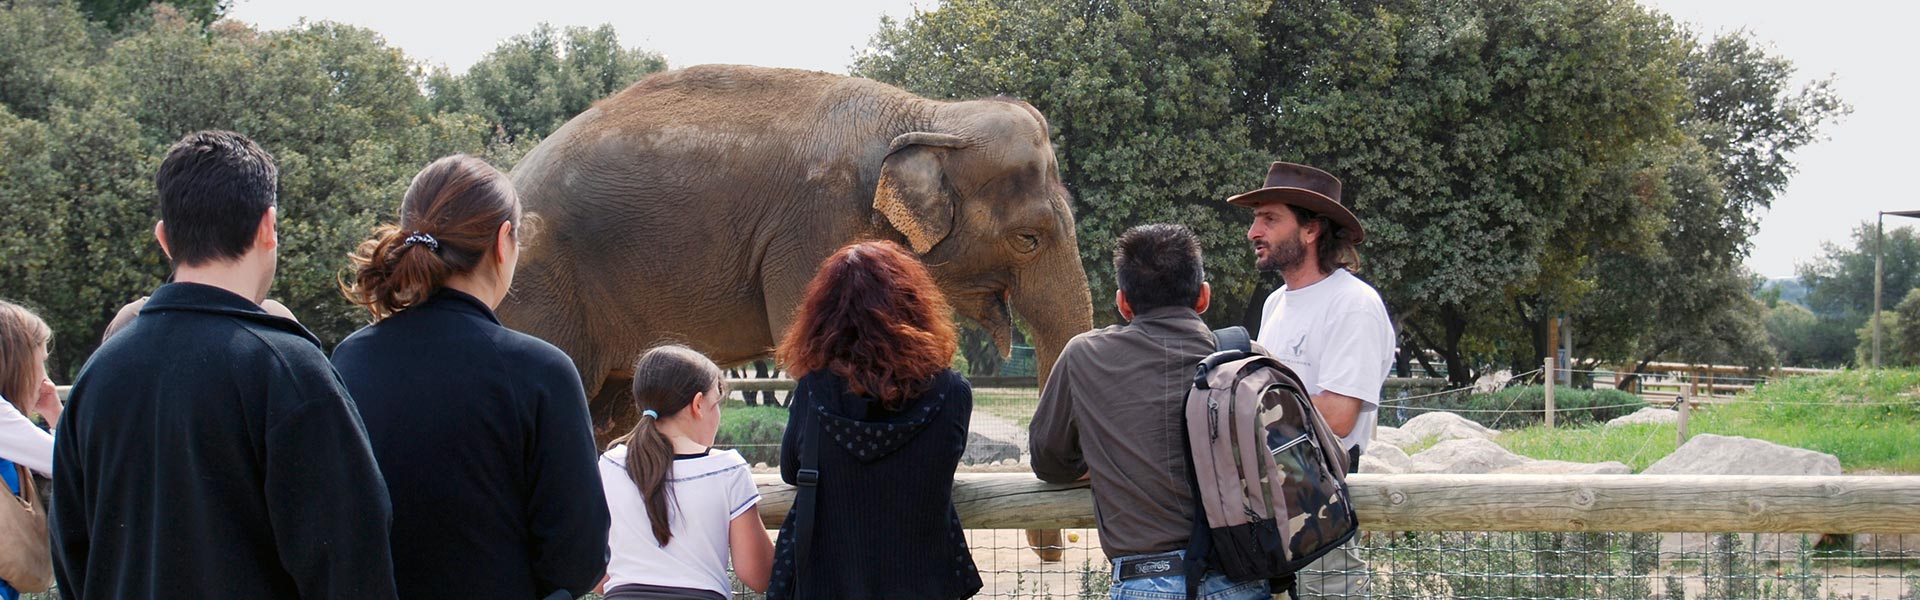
point(1012, 404)
point(754, 431)
point(1870, 420)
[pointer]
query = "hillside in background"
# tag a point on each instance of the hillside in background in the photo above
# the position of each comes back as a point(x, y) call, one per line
point(1790, 289)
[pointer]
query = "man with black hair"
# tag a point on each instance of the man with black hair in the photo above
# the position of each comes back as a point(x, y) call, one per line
point(1112, 412)
point(209, 450)
point(1327, 325)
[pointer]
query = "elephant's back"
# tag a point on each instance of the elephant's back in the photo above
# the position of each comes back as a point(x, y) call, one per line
point(676, 134)
point(742, 97)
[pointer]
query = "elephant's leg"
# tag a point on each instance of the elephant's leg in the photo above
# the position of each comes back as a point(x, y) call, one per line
point(760, 372)
point(1046, 544)
point(614, 413)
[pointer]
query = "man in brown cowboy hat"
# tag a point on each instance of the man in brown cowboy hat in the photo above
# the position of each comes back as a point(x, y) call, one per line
point(1326, 324)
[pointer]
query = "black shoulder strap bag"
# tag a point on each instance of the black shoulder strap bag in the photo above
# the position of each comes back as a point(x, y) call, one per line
point(806, 481)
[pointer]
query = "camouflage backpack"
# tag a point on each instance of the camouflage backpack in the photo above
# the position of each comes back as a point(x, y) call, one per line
point(1269, 475)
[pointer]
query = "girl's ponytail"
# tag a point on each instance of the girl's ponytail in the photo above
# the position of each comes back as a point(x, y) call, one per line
point(649, 461)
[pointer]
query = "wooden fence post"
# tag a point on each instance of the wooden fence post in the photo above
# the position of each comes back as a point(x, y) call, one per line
point(1686, 411)
point(1551, 378)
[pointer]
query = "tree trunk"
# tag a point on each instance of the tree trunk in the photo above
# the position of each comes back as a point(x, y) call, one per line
point(1531, 318)
point(1453, 328)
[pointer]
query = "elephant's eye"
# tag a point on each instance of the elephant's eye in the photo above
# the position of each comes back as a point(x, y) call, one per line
point(1026, 241)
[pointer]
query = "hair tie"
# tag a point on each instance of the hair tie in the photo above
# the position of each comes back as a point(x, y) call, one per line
point(423, 238)
point(649, 413)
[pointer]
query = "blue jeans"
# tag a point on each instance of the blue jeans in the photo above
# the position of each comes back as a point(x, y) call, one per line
point(1174, 587)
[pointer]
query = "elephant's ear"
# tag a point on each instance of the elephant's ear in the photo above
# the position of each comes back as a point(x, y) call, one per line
point(913, 192)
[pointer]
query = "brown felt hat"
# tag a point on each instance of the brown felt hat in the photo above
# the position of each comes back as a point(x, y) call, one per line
point(1308, 188)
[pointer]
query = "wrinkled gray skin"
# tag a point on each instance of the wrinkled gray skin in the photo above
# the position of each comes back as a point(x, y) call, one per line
point(696, 205)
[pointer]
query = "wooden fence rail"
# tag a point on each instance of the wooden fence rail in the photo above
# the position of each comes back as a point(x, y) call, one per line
point(781, 384)
point(1578, 503)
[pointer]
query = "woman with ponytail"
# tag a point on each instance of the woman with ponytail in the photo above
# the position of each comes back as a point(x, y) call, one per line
point(481, 431)
point(680, 509)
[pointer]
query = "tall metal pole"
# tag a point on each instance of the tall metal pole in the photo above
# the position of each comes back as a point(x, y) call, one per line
point(1878, 223)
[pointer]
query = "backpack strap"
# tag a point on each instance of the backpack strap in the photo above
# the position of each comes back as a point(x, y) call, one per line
point(807, 481)
point(1199, 538)
point(1232, 338)
point(1229, 345)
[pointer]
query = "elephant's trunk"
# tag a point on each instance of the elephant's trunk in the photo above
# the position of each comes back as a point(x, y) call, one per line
point(1050, 295)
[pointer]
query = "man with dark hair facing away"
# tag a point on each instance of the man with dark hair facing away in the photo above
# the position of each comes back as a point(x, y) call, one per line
point(1113, 409)
point(1327, 325)
point(209, 450)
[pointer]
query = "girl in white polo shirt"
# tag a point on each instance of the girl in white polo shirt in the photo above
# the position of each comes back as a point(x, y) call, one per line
point(680, 509)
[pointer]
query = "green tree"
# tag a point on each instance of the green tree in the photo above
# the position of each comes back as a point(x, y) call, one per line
point(1899, 335)
point(1892, 351)
point(1743, 119)
point(118, 14)
point(1904, 337)
point(86, 114)
point(531, 84)
point(1840, 282)
point(43, 39)
point(341, 111)
point(1802, 339)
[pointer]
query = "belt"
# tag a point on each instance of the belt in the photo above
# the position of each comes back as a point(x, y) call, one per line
point(1164, 564)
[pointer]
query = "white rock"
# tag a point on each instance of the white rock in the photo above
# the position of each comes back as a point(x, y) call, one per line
point(1561, 467)
point(1443, 426)
point(1475, 455)
point(1709, 454)
point(1651, 415)
point(1393, 437)
point(1384, 459)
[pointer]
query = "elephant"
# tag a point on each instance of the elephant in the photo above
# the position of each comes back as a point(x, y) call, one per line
point(696, 205)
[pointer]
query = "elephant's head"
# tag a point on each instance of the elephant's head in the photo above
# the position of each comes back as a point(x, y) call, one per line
point(977, 195)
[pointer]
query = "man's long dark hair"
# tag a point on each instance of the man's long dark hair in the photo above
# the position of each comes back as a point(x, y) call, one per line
point(1335, 248)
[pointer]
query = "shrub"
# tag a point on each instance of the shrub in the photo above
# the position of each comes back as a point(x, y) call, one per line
point(754, 431)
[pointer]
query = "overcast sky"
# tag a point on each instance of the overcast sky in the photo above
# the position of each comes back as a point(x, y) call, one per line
point(1866, 166)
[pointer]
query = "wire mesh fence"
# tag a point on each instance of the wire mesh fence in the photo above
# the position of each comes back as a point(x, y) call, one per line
point(1521, 566)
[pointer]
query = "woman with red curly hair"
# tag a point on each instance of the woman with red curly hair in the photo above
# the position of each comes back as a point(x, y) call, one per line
point(876, 428)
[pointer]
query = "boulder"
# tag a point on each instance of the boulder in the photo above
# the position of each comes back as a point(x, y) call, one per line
point(985, 450)
point(1443, 426)
point(1394, 437)
point(1709, 454)
point(1474, 455)
point(1381, 458)
point(1651, 415)
point(1561, 467)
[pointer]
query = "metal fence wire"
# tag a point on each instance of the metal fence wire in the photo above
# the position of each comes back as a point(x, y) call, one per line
point(1525, 566)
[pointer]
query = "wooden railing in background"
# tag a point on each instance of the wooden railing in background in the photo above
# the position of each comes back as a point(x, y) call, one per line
point(1644, 503)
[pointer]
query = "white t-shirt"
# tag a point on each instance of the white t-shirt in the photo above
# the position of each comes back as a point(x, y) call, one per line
point(1335, 335)
point(708, 492)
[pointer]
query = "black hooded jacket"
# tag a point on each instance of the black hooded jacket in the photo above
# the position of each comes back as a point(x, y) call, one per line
point(885, 527)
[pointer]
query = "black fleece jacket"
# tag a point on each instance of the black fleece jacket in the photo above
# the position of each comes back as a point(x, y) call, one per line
point(484, 437)
point(209, 451)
